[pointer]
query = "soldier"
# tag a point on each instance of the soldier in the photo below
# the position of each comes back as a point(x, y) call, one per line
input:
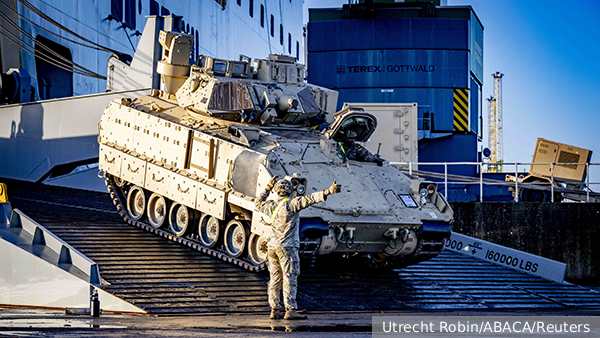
point(354, 151)
point(284, 242)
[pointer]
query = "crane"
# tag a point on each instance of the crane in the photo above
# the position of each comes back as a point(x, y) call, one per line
point(495, 125)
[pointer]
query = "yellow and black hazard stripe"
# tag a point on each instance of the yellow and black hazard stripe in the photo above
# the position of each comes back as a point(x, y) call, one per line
point(461, 109)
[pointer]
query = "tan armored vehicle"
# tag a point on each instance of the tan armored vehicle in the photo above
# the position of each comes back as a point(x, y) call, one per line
point(193, 157)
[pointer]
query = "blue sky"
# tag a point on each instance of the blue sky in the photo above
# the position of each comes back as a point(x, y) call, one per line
point(549, 52)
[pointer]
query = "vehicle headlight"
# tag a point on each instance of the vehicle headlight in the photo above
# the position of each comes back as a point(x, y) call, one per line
point(301, 189)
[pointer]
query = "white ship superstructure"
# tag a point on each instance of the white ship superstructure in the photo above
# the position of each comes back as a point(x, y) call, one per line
point(221, 28)
point(62, 61)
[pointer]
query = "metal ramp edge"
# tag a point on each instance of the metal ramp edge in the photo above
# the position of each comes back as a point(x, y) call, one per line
point(39, 269)
point(507, 257)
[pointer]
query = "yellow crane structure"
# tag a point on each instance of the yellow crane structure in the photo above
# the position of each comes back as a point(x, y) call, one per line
point(495, 125)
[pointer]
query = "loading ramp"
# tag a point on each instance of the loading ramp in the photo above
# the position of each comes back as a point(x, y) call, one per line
point(162, 276)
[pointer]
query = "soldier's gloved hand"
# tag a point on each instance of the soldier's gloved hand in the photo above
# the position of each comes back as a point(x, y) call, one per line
point(271, 183)
point(334, 189)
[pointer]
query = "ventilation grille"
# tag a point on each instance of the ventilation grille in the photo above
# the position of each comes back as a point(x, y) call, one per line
point(567, 157)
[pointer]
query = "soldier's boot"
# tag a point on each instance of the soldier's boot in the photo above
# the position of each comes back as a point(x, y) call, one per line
point(293, 314)
point(277, 313)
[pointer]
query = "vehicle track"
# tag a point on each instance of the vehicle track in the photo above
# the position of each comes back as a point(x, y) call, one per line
point(165, 277)
point(188, 240)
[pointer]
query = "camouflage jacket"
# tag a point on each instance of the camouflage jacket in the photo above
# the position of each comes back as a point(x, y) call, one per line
point(356, 152)
point(286, 224)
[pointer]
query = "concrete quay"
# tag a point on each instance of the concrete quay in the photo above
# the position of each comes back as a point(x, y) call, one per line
point(55, 323)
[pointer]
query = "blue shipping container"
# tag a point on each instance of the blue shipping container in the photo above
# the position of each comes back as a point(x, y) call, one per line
point(396, 33)
point(390, 68)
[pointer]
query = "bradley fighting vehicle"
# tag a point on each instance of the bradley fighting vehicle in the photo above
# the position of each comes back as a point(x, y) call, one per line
point(189, 161)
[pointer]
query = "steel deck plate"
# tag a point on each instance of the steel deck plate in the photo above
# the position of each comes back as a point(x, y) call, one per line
point(164, 277)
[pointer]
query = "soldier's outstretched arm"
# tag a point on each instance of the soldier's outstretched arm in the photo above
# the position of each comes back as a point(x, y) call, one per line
point(303, 202)
point(261, 204)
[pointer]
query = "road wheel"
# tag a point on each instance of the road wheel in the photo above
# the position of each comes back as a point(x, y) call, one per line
point(157, 210)
point(180, 219)
point(136, 202)
point(257, 249)
point(236, 237)
point(209, 230)
point(119, 182)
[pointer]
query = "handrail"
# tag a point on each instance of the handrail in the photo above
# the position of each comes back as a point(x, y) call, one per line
point(456, 178)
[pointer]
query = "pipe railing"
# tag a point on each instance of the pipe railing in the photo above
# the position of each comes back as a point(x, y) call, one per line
point(455, 179)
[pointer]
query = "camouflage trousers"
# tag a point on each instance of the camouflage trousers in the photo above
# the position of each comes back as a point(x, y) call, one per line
point(284, 267)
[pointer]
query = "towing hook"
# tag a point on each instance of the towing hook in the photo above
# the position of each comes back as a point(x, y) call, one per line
point(405, 233)
point(340, 235)
point(350, 237)
point(393, 234)
point(350, 242)
point(345, 235)
point(393, 243)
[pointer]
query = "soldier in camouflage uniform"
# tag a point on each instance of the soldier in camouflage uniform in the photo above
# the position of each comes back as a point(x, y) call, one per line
point(284, 242)
point(354, 151)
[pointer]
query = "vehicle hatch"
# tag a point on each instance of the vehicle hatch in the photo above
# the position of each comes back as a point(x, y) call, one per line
point(361, 122)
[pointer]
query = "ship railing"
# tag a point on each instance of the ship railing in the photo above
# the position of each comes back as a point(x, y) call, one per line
point(585, 193)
